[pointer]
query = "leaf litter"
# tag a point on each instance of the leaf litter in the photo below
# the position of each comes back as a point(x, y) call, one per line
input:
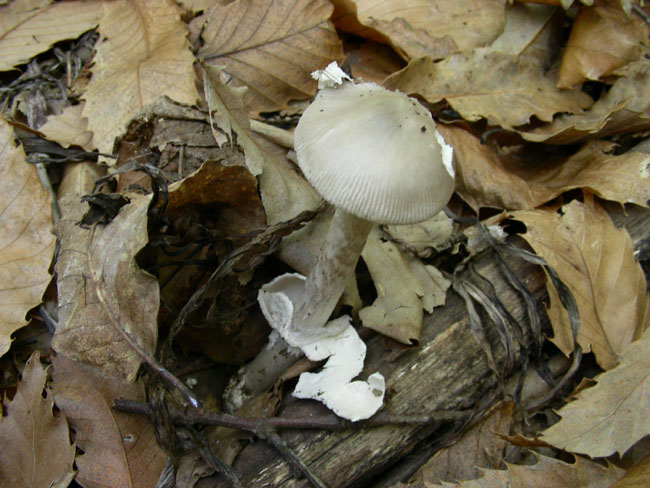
point(543, 122)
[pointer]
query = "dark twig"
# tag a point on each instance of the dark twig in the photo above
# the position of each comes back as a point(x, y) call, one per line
point(212, 460)
point(324, 422)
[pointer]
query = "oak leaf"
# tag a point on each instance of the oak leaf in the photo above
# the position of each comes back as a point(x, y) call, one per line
point(26, 240)
point(36, 450)
point(142, 54)
point(484, 83)
point(610, 417)
point(119, 449)
point(596, 262)
point(32, 27)
point(270, 46)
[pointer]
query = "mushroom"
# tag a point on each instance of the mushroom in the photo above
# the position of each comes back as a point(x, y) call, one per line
point(376, 156)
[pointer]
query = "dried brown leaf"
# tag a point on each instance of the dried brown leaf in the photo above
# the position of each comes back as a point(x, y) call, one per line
point(88, 327)
point(36, 450)
point(69, 128)
point(603, 38)
point(638, 476)
point(142, 55)
point(545, 473)
point(484, 83)
point(625, 108)
point(611, 416)
point(270, 46)
point(596, 261)
point(31, 27)
point(419, 28)
point(119, 449)
point(26, 240)
point(486, 177)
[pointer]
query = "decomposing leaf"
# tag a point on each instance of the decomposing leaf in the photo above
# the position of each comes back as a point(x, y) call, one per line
point(31, 27)
point(419, 28)
point(142, 55)
point(404, 288)
point(623, 109)
point(546, 472)
point(638, 476)
point(106, 267)
point(603, 38)
point(486, 177)
point(611, 416)
point(270, 46)
point(26, 240)
point(69, 128)
point(36, 450)
point(484, 83)
point(596, 261)
point(118, 449)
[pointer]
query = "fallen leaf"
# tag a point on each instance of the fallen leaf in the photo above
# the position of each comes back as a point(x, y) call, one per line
point(419, 28)
point(595, 260)
point(545, 473)
point(69, 128)
point(142, 55)
point(26, 240)
point(484, 83)
point(88, 327)
point(271, 47)
point(489, 177)
point(119, 449)
point(603, 38)
point(404, 288)
point(625, 108)
point(36, 449)
point(32, 27)
point(638, 476)
point(611, 416)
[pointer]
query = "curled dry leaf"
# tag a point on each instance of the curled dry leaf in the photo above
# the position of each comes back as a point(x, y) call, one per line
point(26, 240)
point(404, 287)
point(89, 326)
point(610, 417)
point(143, 54)
point(36, 451)
point(486, 177)
point(419, 28)
point(484, 83)
point(546, 472)
point(69, 128)
point(603, 38)
point(625, 108)
point(32, 27)
point(270, 46)
point(118, 449)
point(596, 261)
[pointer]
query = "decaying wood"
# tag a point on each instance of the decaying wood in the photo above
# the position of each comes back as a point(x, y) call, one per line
point(447, 370)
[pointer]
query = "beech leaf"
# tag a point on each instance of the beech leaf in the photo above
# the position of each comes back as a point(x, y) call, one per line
point(484, 83)
point(488, 178)
point(32, 27)
point(26, 240)
point(271, 46)
point(119, 449)
point(142, 55)
point(596, 261)
point(36, 450)
point(69, 128)
point(611, 416)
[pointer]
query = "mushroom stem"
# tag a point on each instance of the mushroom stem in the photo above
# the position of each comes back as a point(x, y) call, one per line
point(335, 264)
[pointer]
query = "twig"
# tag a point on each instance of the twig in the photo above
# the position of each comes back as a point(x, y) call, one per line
point(212, 460)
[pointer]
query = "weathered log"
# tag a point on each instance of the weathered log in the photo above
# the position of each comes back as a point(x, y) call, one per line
point(447, 370)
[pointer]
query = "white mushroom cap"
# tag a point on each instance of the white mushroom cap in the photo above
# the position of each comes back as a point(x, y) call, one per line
point(375, 154)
